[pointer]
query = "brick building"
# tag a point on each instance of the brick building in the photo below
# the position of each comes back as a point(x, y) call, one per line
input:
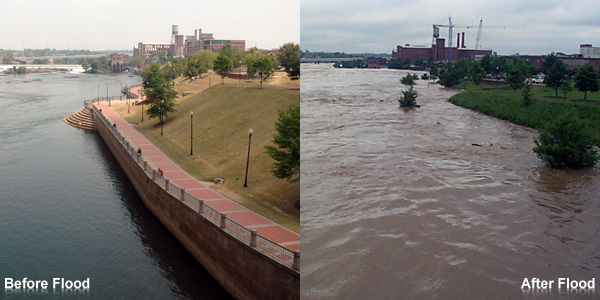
point(437, 52)
point(147, 49)
point(206, 41)
point(182, 46)
point(118, 62)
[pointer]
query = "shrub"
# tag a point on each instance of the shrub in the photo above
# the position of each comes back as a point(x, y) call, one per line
point(409, 79)
point(527, 95)
point(408, 98)
point(566, 144)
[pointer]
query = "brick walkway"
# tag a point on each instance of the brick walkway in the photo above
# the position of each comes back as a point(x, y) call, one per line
point(177, 176)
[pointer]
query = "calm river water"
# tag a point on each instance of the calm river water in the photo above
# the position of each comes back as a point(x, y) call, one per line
point(437, 202)
point(67, 209)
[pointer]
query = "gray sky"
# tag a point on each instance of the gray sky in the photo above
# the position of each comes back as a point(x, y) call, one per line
point(121, 24)
point(532, 27)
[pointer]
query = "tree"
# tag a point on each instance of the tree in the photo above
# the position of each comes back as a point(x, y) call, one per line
point(286, 53)
point(566, 144)
point(159, 58)
point(476, 74)
point(136, 61)
point(287, 139)
point(207, 57)
point(555, 71)
point(253, 55)
point(234, 55)
point(450, 75)
point(409, 96)
point(9, 57)
point(195, 66)
point(486, 63)
point(125, 90)
point(434, 71)
point(499, 66)
point(264, 68)
point(159, 92)
point(527, 95)
point(517, 73)
point(566, 86)
point(84, 64)
point(408, 80)
point(586, 79)
point(294, 68)
point(222, 65)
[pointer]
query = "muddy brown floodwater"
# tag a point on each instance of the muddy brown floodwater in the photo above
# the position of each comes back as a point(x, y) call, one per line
point(437, 202)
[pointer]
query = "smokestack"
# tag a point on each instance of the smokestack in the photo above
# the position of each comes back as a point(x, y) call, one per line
point(196, 33)
point(463, 40)
point(458, 40)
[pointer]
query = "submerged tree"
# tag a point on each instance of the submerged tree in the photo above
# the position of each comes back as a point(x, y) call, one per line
point(409, 96)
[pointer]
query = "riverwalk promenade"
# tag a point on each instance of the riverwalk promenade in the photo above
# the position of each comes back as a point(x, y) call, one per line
point(234, 211)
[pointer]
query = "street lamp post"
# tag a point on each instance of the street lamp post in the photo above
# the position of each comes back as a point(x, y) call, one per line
point(128, 100)
point(248, 159)
point(240, 77)
point(162, 108)
point(121, 91)
point(142, 97)
point(107, 94)
point(98, 99)
point(191, 133)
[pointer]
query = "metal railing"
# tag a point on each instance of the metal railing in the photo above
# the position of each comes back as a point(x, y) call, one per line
point(271, 249)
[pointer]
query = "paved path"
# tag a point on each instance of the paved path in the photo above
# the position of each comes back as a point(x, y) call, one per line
point(177, 176)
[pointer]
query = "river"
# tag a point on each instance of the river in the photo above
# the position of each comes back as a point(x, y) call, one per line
point(436, 202)
point(67, 209)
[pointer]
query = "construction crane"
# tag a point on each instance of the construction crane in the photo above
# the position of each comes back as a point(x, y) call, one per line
point(477, 42)
point(436, 33)
point(450, 26)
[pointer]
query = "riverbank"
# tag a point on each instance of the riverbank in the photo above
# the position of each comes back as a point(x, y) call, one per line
point(236, 246)
point(223, 115)
point(506, 104)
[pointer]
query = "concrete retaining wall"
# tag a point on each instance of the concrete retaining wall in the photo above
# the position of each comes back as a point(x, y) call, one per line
point(241, 269)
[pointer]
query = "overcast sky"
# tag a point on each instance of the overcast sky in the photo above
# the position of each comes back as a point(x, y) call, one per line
point(121, 24)
point(531, 27)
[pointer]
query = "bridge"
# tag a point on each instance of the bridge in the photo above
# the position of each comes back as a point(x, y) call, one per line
point(327, 60)
point(72, 58)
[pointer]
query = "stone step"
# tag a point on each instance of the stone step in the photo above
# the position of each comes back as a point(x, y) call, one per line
point(82, 118)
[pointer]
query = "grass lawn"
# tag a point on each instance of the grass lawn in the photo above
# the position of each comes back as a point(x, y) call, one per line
point(504, 103)
point(223, 114)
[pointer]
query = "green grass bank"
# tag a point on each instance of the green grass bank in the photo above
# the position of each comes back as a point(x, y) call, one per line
point(223, 114)
point(507, 104)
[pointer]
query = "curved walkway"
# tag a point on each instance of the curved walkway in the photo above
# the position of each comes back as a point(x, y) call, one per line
point(249, 219)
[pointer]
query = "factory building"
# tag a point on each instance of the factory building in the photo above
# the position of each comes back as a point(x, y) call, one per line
point(587, 51)
point(181, 46)
point(438, 51)
point(206, 41)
